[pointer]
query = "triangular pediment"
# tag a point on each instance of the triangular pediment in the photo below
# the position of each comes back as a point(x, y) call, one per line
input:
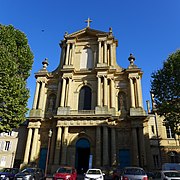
point(86, 32)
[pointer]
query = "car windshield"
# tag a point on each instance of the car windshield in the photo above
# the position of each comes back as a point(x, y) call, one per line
point(172, 174)
point(28, 170)
point(134, 171)
point(94, 171)
point(64, 170)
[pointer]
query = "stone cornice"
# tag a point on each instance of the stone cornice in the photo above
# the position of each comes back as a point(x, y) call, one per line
point(86, 122)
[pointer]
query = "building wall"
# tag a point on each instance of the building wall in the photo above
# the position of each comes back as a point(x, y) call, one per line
point(8, 145)
point(163, 149)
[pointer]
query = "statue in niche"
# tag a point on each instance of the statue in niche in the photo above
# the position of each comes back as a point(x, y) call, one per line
point(122, 101)
point(51, 105)
point(86, 58)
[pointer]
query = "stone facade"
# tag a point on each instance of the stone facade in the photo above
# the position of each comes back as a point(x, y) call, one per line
point(8, 146)
point(164, 146)
point(93, 107)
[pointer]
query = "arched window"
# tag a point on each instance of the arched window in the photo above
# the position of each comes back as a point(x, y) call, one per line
point(122, 101)
point(86, 59)
point(85, 98)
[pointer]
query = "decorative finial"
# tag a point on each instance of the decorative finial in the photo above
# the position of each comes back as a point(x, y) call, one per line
point(110, 30)
point(45, 63)
point(65, 34)
point(88, 21)
point(131, 59)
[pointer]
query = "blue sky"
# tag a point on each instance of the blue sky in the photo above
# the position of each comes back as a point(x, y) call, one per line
point(150, 29)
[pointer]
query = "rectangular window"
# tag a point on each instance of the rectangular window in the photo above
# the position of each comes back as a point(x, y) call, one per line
point(7, 145)
point(169, 132)
point(152, 129)
point(2, 145)
point(3, 161)
point(9, 133)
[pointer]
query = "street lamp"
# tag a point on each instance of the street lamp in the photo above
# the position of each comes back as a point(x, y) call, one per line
point(154, 111)
point(47, 156)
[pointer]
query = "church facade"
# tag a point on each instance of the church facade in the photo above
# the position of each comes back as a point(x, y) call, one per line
point(91, 106)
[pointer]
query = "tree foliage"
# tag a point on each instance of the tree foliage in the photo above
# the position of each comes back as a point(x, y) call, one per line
point(16, 61)
point(166, 89)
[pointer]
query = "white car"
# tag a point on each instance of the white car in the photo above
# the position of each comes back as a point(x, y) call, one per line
point(94, 174)
point(168, 175)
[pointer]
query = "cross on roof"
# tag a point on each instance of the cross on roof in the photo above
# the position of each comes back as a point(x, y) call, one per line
point(88, 22)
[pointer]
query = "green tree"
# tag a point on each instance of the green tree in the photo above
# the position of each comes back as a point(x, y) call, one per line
point(16, 61)
point(166, 89)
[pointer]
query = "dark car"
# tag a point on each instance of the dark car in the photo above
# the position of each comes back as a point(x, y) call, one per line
point(30, 174)
point(8, 173)
point(116, 174)
point(65, 173)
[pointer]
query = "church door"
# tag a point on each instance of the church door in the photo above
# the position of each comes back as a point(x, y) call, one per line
point(124, 157)
point(82, 155)
point(42, 161)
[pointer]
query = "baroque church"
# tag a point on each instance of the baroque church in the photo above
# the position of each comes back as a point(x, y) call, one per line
point(88, 112)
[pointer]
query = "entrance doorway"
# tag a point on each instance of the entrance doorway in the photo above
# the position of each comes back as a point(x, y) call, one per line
point(82, 155)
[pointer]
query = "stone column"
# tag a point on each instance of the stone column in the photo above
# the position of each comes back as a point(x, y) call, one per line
point(139, 92)
point(113, 146)
point(67, 54)
point(105, 52)
point(114, 53)
point(73, 54)
point(38, 146)
point(44, 99)
point(132, 93)
point(34, 145)
point(41, 99)
point(36, 95)
point(112, 93)
point(28, 144)
point(99, 59)
point(58, 146)
point(111, 55)
point(69, 93)
point(99, 91)
point(105, 147)
point(135, 148)
point(64, 146)
point(63, 92)
point(98, 146)
point(105, 91)
point(58, 94)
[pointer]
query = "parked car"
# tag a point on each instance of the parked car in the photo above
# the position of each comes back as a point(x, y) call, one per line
point(8, 173)
point(30, 174)
point(65, 173)
point(133, 173)
point(116, 174)
point(95, 174)
point(150, 175)
point(167, 175)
